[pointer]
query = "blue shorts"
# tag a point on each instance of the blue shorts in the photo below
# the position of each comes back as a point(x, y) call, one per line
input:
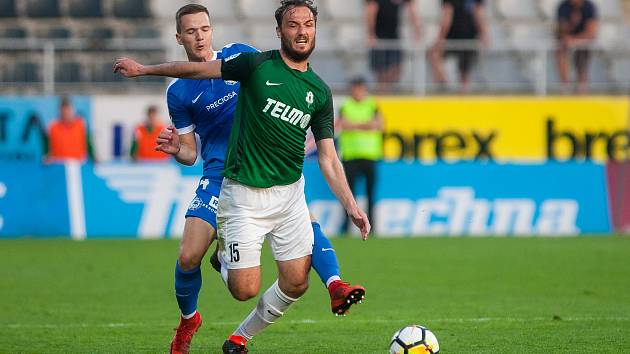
point(206, 201)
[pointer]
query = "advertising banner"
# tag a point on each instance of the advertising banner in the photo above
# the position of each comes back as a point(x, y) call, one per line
point(33, 200)
point(150, 200)
point(550, 199)
point(506, 129)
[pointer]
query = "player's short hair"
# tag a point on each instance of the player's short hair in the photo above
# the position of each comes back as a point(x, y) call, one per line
point(188, 10)
point(286, 5)
point(152, 109)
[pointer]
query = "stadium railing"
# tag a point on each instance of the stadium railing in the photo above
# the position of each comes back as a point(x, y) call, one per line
point(33, 66)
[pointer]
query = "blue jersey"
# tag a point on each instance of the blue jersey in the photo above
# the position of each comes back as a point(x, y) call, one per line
point(207, 108)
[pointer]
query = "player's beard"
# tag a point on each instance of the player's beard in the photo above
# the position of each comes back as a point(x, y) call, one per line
point(285, 45)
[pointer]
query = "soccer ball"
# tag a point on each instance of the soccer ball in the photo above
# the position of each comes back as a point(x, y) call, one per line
point(414, 339)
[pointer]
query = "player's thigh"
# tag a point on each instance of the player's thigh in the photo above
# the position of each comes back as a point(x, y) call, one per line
point(200, 227)
point(240, 227)
point(197, 237)
point(292, 235)
point(293, 276)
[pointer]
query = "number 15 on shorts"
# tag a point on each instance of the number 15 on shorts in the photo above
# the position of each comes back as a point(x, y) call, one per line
point(233, 251)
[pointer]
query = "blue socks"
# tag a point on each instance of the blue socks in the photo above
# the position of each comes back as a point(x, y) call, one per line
point(187, 286)
point(324, 259)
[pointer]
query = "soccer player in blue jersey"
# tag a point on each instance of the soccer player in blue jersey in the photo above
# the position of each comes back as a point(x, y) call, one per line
point(206, 107)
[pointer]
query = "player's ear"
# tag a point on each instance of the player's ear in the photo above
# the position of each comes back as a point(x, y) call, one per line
point(278, 31)
point(179, 38)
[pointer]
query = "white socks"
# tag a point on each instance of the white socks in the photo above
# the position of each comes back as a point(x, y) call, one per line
point(332, 279)
point(270, 307)
point(189, 316)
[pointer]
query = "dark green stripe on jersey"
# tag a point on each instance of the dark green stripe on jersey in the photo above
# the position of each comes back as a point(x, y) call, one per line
point(276, 105)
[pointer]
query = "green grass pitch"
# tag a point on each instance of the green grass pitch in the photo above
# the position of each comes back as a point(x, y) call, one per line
point(487, 295)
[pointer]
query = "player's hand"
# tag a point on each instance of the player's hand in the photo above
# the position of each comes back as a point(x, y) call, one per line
point(168, 141)
point(360, 219)
point(128, 67)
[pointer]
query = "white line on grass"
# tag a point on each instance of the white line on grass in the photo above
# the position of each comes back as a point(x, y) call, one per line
point(315, 322)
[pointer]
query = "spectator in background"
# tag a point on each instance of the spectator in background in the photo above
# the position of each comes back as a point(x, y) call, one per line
point(383, 18)
point(576, 29)
point(461, 20)
point(68, 137)
point(361, 140)
point(144, 139)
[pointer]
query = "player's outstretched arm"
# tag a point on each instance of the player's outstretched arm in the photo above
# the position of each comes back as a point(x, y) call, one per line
point(180, 69)
point(333, 172)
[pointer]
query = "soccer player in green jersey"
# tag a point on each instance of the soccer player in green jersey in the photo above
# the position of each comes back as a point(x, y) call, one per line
point(262, 195)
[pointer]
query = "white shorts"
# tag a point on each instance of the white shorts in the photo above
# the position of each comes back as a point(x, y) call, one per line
point(247, 215)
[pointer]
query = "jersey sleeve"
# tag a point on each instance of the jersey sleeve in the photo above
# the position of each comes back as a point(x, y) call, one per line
point(323, 120)
point(179, 114)
point(239, 66)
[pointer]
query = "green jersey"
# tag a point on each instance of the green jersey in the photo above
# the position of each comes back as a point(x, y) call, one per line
point(276, 105)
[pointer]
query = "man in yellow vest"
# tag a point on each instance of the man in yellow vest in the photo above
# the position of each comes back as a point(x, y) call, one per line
point(144, 137)
point(361, 140)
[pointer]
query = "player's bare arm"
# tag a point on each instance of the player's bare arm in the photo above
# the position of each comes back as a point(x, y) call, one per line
point(182, 69)
point(332, 170)
point(182, 147)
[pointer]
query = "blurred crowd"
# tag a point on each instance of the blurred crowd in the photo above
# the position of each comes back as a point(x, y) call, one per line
point(463, 23)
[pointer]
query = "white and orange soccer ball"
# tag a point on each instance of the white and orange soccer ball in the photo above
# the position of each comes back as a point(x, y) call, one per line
point(414, 339)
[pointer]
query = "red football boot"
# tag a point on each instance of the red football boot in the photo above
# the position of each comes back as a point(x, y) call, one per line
point(344, 295)
point(184, 333)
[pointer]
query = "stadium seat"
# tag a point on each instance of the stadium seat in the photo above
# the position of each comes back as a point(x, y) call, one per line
point(146, 32)
point(609, 9)
point(103, 73)
point(68, 72)
point(42, 8)
point(430, 10)
point(517, 10)
point(263, 37)
point(166, 8)
point(85, 8)
point(498, 36)
point(345, 9)
point(258, 9)
point(330, 67)
point(7, 8)
point(620, 72)
point(526, 37)
point(326, 36)
point(13, 33)
point(351, 35)
point(220, 9)
point(610, 35)
point(54, 33)
point(549, 8)
point(25, 71)
point(101, 33)
point(500, 71)
point(228, 32)
point(598, 70)
point(131, 9)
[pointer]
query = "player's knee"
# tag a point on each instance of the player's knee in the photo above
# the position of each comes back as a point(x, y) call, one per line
point(296, 289)
point(243, 293)
point(189, 260)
